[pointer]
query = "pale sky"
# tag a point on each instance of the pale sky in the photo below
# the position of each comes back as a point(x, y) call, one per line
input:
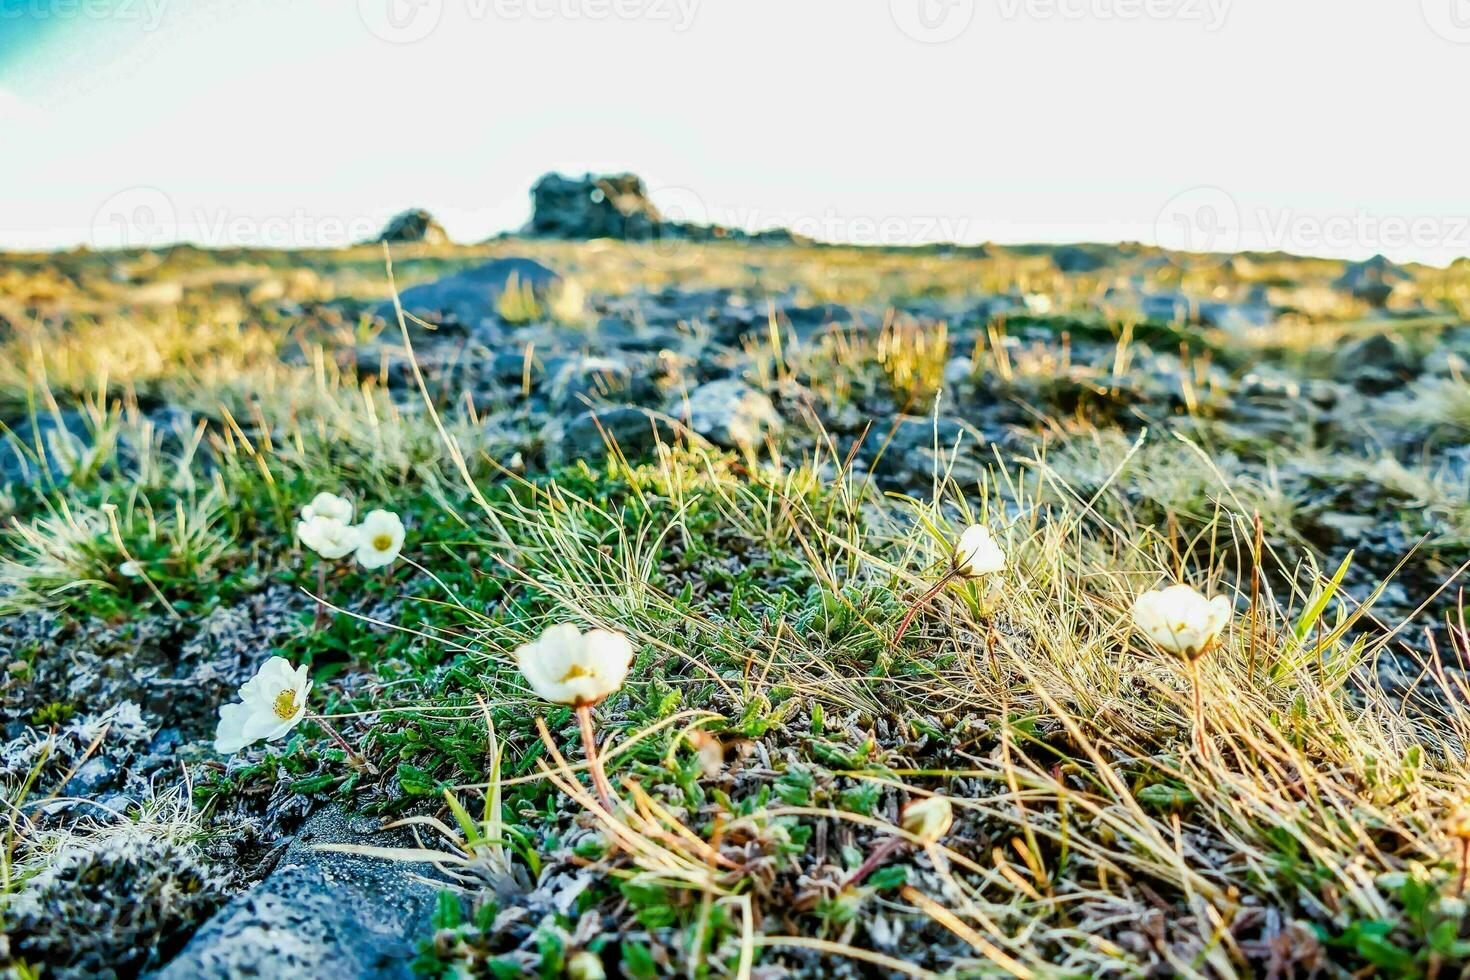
point(1315, 126)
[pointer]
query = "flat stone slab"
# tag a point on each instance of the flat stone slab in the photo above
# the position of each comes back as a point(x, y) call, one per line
point(319, 914)
point(468, 298)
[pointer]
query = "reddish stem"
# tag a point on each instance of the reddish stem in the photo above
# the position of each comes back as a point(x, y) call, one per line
point(1199, 707)
point(353, 756)
point(321, 590)
point(879, 855)
point(919, 603)
point(594, 762)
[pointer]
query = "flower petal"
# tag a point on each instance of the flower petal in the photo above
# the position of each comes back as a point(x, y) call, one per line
point(229, 736)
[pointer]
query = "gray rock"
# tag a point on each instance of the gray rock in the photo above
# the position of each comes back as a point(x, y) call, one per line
point(111, 904)
point(94, 774)
point(1168, 307)
point(616, 330)
point(993, 306)
point(1237, 318)
point(618, 206)
point(731, 413)
point(48, 444)
point(1077, 258)
point(319, 914)
point(958, 371)
point(1377, 362)
point(515, 368)
point(806, 320)
point(592, 206)
point(467, 299)
point(635, 431)
point(415, 225)
point(1443, 363)
point(903, 447)
point(585, 381)
point(1373, 281)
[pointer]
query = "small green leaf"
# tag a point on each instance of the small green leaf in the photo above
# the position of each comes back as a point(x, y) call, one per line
point(313, 784)
point(1165, 797)
point(890, 877)
point(447, 913)
point(638, 962)
point(794, 787)
point(415, 781)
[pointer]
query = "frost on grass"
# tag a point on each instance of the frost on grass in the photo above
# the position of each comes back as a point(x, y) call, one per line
point(113, 897)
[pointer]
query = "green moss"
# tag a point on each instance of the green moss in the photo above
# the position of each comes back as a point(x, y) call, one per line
point(54, 713)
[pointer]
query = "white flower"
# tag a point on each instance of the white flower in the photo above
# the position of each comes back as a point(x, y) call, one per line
point(327, 536)
point(328, 505)
point(928, 819)
point(131, 569)
point(271, 704)
point(1181, 620)
point(567, 666)
point(977, 553)
point(379, 538)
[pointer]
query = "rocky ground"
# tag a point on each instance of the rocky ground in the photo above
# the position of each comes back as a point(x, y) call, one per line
point(175, 410)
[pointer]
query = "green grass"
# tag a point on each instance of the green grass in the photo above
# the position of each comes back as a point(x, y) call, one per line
point(771, 727)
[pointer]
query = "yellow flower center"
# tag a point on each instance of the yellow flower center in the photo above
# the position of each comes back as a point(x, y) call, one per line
point(575, 670)
point(382, 542)
point(285, 704)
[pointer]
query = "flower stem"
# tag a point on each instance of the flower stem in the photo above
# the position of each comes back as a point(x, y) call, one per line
point(353, 756)
point(919, 603)
point(594, 761)
point(879, 855)
point(1199, 706)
